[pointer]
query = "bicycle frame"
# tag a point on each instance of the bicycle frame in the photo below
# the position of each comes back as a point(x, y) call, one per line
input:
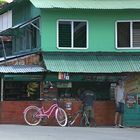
point(48, 113)
point(77, 115)
point(84, 116)
point(74, 118)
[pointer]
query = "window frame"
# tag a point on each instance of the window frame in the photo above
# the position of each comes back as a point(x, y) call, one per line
point(72, 40)
point(131, 35)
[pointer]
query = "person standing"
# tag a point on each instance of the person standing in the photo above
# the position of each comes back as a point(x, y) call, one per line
point(88, 97)
point(120, 101)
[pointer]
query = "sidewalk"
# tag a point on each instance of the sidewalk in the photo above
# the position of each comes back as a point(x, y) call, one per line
point(25, 132)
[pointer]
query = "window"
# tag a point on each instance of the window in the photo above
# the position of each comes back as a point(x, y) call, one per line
point(5, 21)
point(32, 36)
point(128, 34)
point(72, 34)
point(28, 38)
point(21, 90)
point(19, 42)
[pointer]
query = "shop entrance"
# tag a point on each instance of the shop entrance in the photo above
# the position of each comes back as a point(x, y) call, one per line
point(74, 89)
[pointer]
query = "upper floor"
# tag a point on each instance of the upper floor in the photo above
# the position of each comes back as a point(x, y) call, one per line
point(86, 26)
point(90, 30)
point(19, 26)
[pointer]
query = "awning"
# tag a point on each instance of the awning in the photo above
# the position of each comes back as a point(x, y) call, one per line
point(87, 4)
point(10, 31)
point(92, 62)
point(21, 69)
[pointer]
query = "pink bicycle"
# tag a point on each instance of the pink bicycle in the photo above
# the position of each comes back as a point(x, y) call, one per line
point(33, 114)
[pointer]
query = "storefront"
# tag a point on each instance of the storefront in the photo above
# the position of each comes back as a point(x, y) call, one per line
point(66, 77)
point(20, 86)
point(70, 73)
point(74, 84)
point(69, 90)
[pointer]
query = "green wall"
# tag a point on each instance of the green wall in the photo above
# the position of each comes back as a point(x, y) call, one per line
point(132, 114)
point(24, 11)
point(101, 27)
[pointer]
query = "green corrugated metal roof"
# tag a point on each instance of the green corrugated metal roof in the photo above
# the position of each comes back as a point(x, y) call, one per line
point(7, 7)
point(92, 63)
point(22, 69)
point(87, 4)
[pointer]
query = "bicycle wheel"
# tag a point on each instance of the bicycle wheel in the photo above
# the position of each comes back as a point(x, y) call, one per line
point(61, 117)
point(30, 115)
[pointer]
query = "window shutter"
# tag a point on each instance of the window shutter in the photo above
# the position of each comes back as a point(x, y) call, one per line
point(136, 34)
point(64, 34)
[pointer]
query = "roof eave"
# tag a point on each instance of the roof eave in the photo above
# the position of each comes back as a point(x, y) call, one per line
point(84, 8)
point(7, 7)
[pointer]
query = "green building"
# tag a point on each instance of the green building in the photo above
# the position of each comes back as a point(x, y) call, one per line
point(82, 43)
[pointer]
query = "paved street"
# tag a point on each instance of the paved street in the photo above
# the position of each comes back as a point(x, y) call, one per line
point(24, 132)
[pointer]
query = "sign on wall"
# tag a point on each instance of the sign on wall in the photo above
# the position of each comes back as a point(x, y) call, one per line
point(63, 76)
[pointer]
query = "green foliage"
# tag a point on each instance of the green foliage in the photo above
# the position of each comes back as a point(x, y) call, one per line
point(2, 1)
point(5, 1)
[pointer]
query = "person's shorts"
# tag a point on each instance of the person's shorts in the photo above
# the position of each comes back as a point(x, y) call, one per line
point(120, 107)
point(89, 111)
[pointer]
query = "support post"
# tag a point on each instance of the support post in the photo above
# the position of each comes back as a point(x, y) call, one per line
point(2, 85)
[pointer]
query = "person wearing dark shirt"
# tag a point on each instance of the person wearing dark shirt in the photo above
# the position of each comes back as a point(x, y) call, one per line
point(88, 97)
